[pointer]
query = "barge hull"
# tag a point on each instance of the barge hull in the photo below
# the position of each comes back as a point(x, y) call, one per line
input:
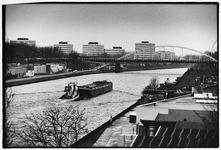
point(95, 92)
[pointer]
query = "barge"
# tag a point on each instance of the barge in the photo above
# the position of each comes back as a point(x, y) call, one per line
point(74, 92)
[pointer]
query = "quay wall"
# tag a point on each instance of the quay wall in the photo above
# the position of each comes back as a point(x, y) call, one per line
point(35, 79)
point(155, 68)
point(89, 139)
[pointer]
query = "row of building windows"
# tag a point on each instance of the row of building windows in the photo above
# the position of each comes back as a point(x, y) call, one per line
point(94, 49)
point(142, 50)
point(65, 47)
point(24, 41)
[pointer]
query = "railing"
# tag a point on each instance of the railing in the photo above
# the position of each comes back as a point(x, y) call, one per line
point(119, 60)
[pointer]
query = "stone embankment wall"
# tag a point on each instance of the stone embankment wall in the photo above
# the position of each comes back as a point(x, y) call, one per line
point(35, 79)
point(89, 139)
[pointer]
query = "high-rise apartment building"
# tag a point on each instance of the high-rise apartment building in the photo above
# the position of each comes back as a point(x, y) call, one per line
point(93, 49)
point(144, 50)
point(24, 41)
point(115, 51)
point(64, 47)
point(167, 55)
point(157, 55)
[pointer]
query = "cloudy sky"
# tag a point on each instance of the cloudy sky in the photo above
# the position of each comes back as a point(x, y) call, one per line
point(188, 25)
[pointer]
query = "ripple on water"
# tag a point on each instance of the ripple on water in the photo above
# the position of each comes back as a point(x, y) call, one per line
point(127, 87)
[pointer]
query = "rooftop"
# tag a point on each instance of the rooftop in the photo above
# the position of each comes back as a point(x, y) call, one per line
point(169, 137)
point(177, 124)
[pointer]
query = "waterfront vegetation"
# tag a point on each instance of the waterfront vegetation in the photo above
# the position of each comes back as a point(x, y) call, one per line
point(8, 128)
point(55, 127)
point(202, 73)
point(18, 52)
point(8, 97)
point(149, 92)
point(153, 85)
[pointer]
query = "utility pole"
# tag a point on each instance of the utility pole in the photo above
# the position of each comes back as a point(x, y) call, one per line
point(166, 87)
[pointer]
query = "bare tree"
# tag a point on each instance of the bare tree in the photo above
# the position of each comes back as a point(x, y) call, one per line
point(8, 129)
point(8, 96)
point(55, 127)
point(153, 85)
point(209, 116)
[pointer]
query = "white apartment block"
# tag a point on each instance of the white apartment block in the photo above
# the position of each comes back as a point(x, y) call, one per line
point(115, 51)
point(65, 47)
point(167, 55)
point(24, 41)
point(144, 50)
point(93, 49)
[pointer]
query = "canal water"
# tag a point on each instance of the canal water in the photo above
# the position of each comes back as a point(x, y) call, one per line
point(127, 88)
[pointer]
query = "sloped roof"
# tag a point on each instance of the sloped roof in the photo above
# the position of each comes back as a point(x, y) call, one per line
point(158, 123)
point(205, 88)
point(15, 67)
point(180, 115)
point(169, 137)
point(189, 125)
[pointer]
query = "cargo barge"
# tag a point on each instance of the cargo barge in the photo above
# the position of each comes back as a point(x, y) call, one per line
point(74, 92)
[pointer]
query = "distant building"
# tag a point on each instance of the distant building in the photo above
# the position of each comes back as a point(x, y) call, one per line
point(17, 71)
point(115, 51)
point(205, 91)
point(24, 40)
point(167, 55)
point(64, 47)
point(93, 49)
point(129, 55)
point(175, 125)
point(157, 55)
point(144, 50)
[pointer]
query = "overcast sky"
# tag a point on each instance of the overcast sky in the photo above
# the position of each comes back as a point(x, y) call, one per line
point(188, 25)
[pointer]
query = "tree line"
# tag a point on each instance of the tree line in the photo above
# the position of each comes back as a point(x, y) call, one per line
point(18, 52)
point(55, 126)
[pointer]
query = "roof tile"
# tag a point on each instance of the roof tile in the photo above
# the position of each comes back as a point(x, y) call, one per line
point(180, 138)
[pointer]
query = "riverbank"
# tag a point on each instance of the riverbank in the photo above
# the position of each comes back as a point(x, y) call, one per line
point(41, 78)
point(88, 140)
point(34, 98)
point(156, 68)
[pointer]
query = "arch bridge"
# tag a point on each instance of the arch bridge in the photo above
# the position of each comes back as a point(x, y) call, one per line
point(160, 54)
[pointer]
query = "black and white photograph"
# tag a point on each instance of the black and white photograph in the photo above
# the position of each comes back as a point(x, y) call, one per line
point(102, 74)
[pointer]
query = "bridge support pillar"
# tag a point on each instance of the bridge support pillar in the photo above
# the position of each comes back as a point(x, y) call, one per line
point(117, 67)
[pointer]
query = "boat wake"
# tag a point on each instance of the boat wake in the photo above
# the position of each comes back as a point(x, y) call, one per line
point(37, 93)
point(59, 101)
